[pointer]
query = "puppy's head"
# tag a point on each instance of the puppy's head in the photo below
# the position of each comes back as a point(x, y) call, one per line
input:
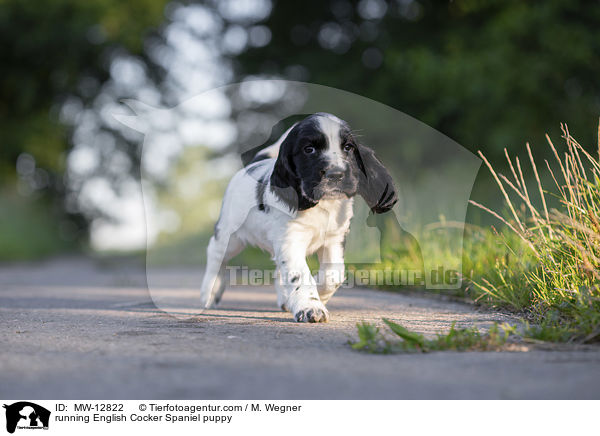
point(320, 159)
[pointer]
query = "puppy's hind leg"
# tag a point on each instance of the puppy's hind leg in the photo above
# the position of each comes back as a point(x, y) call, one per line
point(220, 250)
point(234, 248)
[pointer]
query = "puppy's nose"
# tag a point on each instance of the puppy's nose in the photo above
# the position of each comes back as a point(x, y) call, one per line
point(334, 174)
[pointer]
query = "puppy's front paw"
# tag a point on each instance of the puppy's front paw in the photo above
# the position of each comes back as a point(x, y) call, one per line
point(312, 314)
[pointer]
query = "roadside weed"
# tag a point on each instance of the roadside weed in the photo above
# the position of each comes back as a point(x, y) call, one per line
point(372, 340)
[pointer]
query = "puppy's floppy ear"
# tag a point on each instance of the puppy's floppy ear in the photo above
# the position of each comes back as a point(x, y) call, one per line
point(285, 182)
point(375, 184)
point(284, 171)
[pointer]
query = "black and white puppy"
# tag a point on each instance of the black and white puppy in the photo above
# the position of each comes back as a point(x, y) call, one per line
point(294, 199)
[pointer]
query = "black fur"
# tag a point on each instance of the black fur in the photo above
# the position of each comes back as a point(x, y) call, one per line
point(298, 180)
point(258, 171)
point(291, 168)
point(261, 185)
point(376, 185)
point(254, 154)
point(39, 418)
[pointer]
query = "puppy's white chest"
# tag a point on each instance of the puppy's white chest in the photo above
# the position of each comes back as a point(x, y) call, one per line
point(328, 216)
point(330, 219)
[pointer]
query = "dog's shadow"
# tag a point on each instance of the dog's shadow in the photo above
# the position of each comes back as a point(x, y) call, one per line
point(241, 315)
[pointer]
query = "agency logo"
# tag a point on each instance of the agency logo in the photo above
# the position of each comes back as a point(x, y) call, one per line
point(26, 415)
point(183, 181)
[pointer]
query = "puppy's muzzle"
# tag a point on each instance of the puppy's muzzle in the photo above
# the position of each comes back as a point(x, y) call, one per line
point(334, 174)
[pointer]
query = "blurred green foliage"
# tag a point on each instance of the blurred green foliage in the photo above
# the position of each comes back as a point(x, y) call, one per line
point(53, 50)
point(48, 48)
point(489, 74)
point(29, 229)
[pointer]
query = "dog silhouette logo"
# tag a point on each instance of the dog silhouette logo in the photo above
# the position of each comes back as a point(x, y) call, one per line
point(26, 415)
point(191, 151)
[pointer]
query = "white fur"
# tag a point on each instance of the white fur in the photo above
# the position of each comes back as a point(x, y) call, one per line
point(330, 128)
point(288, 236)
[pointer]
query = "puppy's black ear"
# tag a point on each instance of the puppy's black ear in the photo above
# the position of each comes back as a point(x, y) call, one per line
point(284, 171)
point(375, 185)
point(285, 182)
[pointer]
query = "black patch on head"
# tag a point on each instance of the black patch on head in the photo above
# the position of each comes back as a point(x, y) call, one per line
point(287, 176)
point(298, 177)
point(254, 154)
point(300, 180)
point(295, 279)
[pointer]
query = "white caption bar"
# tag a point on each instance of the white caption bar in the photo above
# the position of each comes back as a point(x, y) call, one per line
point(378, 418)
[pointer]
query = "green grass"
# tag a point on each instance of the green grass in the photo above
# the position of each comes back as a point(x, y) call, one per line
point(372, 340)
point(555, 274)
point(544, 262)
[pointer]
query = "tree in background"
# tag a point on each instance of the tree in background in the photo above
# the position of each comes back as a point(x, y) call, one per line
point(54, 51)
point(489, 74)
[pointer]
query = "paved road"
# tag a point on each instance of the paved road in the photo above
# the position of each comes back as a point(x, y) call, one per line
point(75, 329)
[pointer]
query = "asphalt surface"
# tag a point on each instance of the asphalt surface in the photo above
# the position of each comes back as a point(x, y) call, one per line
point(79, 329)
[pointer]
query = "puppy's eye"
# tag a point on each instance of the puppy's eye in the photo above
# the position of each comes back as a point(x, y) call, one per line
point(309, 150)
point(348, 147)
